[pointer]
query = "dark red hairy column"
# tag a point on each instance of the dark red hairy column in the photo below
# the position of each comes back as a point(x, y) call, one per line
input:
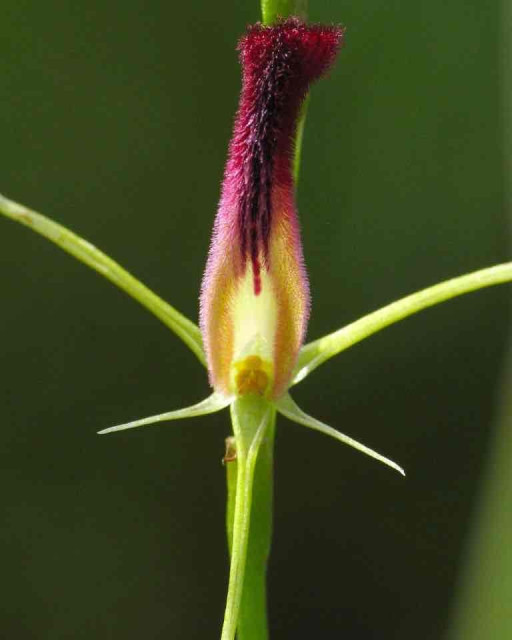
point(279, 63)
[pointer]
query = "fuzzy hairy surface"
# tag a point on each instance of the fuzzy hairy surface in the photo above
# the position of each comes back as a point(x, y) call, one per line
point(279, 63)
point(256, 232)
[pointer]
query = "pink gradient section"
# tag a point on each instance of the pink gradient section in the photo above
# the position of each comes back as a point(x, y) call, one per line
point(256, 226)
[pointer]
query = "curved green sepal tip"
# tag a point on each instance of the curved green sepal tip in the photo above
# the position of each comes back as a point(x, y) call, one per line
point(287, 406)
point(215, 402)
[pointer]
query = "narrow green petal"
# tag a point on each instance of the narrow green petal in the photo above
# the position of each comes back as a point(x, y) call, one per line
point(287, 406)
point(316, 353)
point(100, 262)
point(213, 403)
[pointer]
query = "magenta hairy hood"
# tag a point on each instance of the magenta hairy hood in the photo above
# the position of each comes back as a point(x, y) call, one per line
point(255, 294)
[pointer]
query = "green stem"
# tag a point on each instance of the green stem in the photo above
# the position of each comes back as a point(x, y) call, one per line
point(272, 10)
point(253, 423)
point(252, 621)
point(252, 618)
point(316, 353)
point(108, 268)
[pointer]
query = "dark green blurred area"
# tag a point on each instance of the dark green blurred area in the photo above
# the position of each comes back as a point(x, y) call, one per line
point(115, 120)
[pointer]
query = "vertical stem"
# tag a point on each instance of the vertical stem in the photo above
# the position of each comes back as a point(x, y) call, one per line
point(252, 618)
point(272, 10)
point(240, 535)
point(246, 602)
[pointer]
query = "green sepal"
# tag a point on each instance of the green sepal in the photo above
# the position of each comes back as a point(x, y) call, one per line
point(90, 255)
point(211, 404)
point(315, 353)
point(287, 407)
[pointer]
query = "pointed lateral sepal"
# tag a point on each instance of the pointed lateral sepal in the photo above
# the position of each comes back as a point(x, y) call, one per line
point(287, 406)
point(315, 353)
point(90, 255)
point(215, 402)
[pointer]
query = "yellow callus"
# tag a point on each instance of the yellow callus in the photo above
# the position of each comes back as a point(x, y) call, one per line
point(252, 375)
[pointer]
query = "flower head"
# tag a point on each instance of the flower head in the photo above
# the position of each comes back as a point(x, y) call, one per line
point(255, 293)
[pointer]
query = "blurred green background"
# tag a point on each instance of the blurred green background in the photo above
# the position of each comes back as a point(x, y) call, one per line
point(115, 119)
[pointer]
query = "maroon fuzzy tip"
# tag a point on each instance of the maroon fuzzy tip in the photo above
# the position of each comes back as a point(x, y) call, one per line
point(302, 50)
point(279, 63)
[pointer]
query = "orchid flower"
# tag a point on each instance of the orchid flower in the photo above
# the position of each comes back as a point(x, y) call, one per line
point(255, 299)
